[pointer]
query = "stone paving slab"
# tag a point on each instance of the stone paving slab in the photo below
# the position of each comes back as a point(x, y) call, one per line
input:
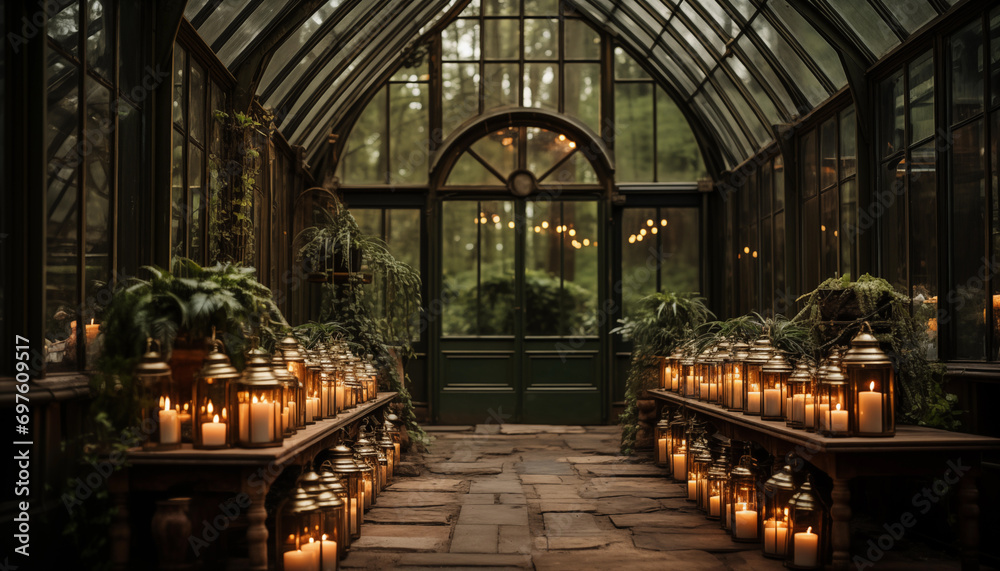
point(513, 499)
point(633, 561)
point(465, 468)
point(480, 499)
point(403, 538)
point(389, 499)
point(425, 516)
point(662, 519)
point(623, 470)
point(471, 560)
point(514, 539)
point(464, 455)
point(570, 524)
point(496, 486)
point(655, 539)
point(641, 487)
point(540, 479)
point(544, 467)
point(447, 428)
point(540, 429)
point(595, 442)
point(434, 484)
point(553, 491)
point(493, 515)
point(475, 538)
point(566, 505)
point(595, 459)
point(626, 505)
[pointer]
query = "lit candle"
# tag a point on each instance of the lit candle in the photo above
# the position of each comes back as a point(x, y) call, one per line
point(775, 535)
point(824, 412)
point(661, 450)
point(261, 420)
point(213, 433)
point(299, 560)
point(810, 412)
point(798, 409)
point(713, 392)
point(679, 462)
point(737, 394)
point(753, 401)
point(368, 494)
point(673, 382)
point(713, 506)
point(324, 401)
point(396, 446)
point(689, 385)
point(692, 490)
point(92, 330)
point(328, 548)
point(339, 396)
point(666, 376)
point(354, 516)
point(284, 418)
point(746, 523)
point(291, 412)
point(772, 402)
point(703, 395)
point(170, 427)
point(870, 410)
point(838, 420)
point(806, 554)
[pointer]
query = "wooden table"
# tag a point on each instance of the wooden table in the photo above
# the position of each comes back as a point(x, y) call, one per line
point(952, 457)
point(233, 470)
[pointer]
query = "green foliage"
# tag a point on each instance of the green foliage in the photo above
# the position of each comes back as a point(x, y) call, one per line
point(233, 180)
point(552, 308)
point(898, 325)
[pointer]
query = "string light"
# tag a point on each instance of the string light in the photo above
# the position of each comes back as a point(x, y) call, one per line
point(476, 221)
point(545, 223)
point(631, 239)
point(538, 229)
point(663, 222)
point(572, 145)
point(654, 230)
point(510, 224)
point(650, 222)
point(746, 249)
point(482, 220)
point(572, 231)
point(562, 137)
point(642, 232)
point(755, 253)
point(639, 238)
point(496, 218)
point(586, 241)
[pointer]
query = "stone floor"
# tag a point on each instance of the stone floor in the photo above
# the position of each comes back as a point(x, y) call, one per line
point(546, 498)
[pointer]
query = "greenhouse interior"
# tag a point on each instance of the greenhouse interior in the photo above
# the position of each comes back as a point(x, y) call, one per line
point(308, 285)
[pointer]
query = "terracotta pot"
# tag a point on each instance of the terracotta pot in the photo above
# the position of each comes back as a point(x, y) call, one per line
point(171, 529)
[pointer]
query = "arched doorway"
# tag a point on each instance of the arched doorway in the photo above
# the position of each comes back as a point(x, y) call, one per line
point(519, 198)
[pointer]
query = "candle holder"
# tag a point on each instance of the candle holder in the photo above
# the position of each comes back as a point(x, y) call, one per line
point(716, 377)
point(832, 412)
point(662, 436)
point(774, 378)
point(663, 372)
point(372, 378)
point(870, 386)
point(715, 483)
point(365, 452)
point(753, 396)
point(256, 401)
point(327, 384)
point(389, 450)
point(778, 489)
point(393, 428)
point(700, 464)
point(689, 386)
point(294, 358)
point(210, 396)
point(743, 504)
point(674, 368)
point(332, 520)
point(807, 529)
point(289, 393)
point(367, 483)
point(734, 373)
point(343, 465)
point(702, 373)
point(333, 483)
point(799, 397)
point(298, 525)
point(159, 393)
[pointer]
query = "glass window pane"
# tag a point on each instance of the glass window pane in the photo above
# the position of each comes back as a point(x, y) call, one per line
point(545, 149)
point(848, 228)
point(197, 103)
point(848, 143)
point(578, 299)
point(634, 144)
point(581, 41)
point(583, 93)
point(801, 76)
point(402, 235)
point(699, 23)
point(364, 159)
point(501, 86)
point(129, 140)
point(757, 93)
point(220, 19)
point(460, 40)
point(692, 44)
point(542, 260)
point(912, 15)
point(101, 40)
point(679, 249)
point(828, 153)
point(764, 190)
point(408, 133)
point(966, 63)
point(967, 242)
point(626, 67)
point(995, 56)
point(459, 94)
point(180, 85)
point(471, 9)
point(924, 238)
point(892, 224)
point(501, 7)
point(63, 25)
point(814, 44)
point(469, 171)
point(541, 7)
point(130, 60)
point(678, 155)
point(870, 28)
point(783, 301)
point(810, 173)
point(892, 113)
point(811, 276)
point(499, 150)
point(496, 266)
point(759, 63)
point(828, 231)
point(460, 253)
point(639, 271)
point(178, 197)
point(196, 221)
point(98, 185)
point(758, 130)
point(922, 97)
point(501, 39)
point(779, 183)
point(541, 38)
point(574, 170)
point(541, 85)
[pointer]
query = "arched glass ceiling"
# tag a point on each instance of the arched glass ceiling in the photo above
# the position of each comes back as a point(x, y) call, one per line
point(742, 66)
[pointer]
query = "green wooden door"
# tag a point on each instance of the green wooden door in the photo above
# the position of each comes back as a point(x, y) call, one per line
point(520, 324)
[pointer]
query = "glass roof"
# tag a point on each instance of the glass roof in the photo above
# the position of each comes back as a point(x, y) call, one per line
point(741, 66)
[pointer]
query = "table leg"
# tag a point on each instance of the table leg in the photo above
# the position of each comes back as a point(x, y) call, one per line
point(840, 535)
point(968, 518)
point(120, 532)
point(257, 531)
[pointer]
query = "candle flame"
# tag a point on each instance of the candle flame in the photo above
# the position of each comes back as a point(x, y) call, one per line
point(255, 398)
point(185, 407)
point(291, 537)
point(161, 401)
point(91, 321)
point(215, 419)
point(810, 529)
point(786, 512)
point(311, 540)
point(223, 413)
point(209, 409)
point(324, 537)
point(166, 403)
point(838, 406)
point(872, 386)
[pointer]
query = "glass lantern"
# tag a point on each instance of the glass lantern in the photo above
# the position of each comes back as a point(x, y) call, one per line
point(807, 529)
point(742, 506)
point(832, 412)
point(799, 397)
point(662, 372)
point(778, 489)
point(256, 401)
point(759, 355)
point(674, 367)
point(661, 436)
point(294, 358)
point(678, 448)
point(332, 520)
point(715, 483)
point(333, 484)
point(718, 381)
point(365, 451)
point(734, 375)
point(210, 397)
point(314, 371)
point(367, 484)
point(298, 525)
point(700, 464)
point(159, 419)
point(702, 374)
point(688, 380)
point(327, 387)
point(870, 387)
point(289, 393)
point(773, 381)
point(343, 465)
point(395, 432)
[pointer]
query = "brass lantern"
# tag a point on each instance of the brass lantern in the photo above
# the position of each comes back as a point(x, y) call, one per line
point(210, 397)
point(674, 370)
point(700, 464)
point(715, 483)
point(314, 371)
point(689, 383)
point(365, 451)
point(336, 486)
point(395, 432)
point(832, 411)
point(799, 397)
point(760, 353)
point(327, 383)
point(773, 382)
point(332, 522)
point(734, 373)
point(702, 372)
point(344, 466)
point(807, 529)
point(663, 369)
point(389, 449)
point(256, 401)
point(293, 357)
point(159, 419)
point(743, 506)
point(870, 387)
point(777, 491)
point(298, 525)
point(678, 448)
point(289, 392)
point(661, 436)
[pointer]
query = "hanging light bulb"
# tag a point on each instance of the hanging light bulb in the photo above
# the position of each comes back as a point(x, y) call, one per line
point(572, 231)
point(639, 237)
point(510, 224)
point(654, 230)
point(562, 137)
point(746, 249)
point(538, 229)
point(663, 222)
point(631, 239)
point(649, 222)
point(545, 223)
point(572, 145)
point(482, 220)
point(586, 241)
point(642, 232)
point(476, 220)
point(755, 253)
point(496, 218)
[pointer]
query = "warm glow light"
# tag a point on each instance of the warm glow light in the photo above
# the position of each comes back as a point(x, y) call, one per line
point(650, 222)
point(562, 137)
point(586, 241)
point(482, 220)
point(166, 404)
point(654, 230)
point(476, 221)
point(223, 413)
point(822, 227)
point(572, 231)
point(642, 232)
point(755, 253)
point(746, 249)
point(255, 398)
point(538, 229)
point(496, 218)
point(639, 238)
point(559, 228)
point(215, 419)
point(838, 406)
point(663, 222)
point(510, 224)
point(545, 223)
point(631, 239)
point(595, 243)
point(572, 145)
point(872, 386)
point(210, 409)
point(507, 141)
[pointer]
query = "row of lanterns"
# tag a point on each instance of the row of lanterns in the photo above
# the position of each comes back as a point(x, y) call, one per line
point(274, 397)
point(788, 521)
point(847, 394)
point(324, 515)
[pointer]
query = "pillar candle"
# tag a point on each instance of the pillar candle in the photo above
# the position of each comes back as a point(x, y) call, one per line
point(661, 450)
point(692, 490)
point(703, 395)
point(354, 516)
point(291, 412)
point(737, 394)
point(810, 412)
point(299, 560)
point(772, 402)
point(806, 544)
point(673, 382)
point(679, 465)
point(838, 420)
point(339, 396)
point(284, 419)
point(746, 524)
point(788, 408)
point(328, 548)
point(213, 433)
point(729, 516)
point(775, 534)
point(170, 427)
point(689, 385)
point(799, 408)
point(368, 493)
point(713, 506)
point(824, 412)
point(261, 421)
point(324, 401)
point(244, 422)
point(753, 402)
point(870, 410)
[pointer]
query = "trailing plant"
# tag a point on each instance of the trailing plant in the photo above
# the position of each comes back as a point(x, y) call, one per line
point(233, 180)
point(552, 307)
point(898, 324)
